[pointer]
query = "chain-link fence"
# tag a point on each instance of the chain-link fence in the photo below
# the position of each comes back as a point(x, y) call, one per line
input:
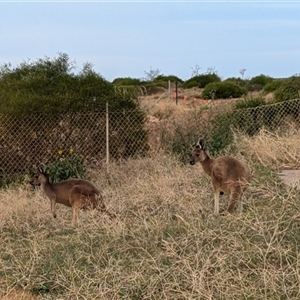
point(103, 136)
point(215, 121)
point(95, 136)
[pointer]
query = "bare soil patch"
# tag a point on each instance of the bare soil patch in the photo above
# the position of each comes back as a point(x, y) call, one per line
point(290, 177)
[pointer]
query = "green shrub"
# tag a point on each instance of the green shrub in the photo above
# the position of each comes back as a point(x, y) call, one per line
point(257, 83)
point(261, 80)
point(223, 90)
point(272, 86)
point(163, 78)
point(66, 165)
point(238, 81)
point(49, 86)
point(201, 81)
point(126, 81)
point(220, 134)
point(250, 102)
point(288, 89)
point(190, 84)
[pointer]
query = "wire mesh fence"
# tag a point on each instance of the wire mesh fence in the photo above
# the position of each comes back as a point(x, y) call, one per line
point(101, 136)
point(216, 121)
point(270, 116)
point(35, 139)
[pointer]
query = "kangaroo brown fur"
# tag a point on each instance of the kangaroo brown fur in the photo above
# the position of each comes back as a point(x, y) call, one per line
point(227, 173)
point(75, 193)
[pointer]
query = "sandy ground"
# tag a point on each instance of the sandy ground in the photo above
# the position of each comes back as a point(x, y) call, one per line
point(290, 177)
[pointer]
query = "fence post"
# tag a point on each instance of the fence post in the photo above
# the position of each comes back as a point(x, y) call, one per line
point(107, 137)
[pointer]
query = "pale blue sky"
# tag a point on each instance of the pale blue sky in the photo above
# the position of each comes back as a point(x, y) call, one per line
point(125, 39)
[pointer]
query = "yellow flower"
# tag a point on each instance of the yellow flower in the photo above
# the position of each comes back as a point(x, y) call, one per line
point(60, 152)
point(71, 150)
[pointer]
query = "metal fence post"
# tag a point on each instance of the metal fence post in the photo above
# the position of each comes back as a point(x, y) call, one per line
point(107, 137)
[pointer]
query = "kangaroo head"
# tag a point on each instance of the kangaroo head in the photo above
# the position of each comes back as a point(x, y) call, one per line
point(39, 177)
point(199, 153)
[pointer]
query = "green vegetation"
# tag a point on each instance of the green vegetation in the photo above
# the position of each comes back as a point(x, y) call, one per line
point(49, 86)
point(126, 81)
point(66, 165)
point(44, 107)
point(164, 78)
point(223, 90)
point(201, 81)
point(250, 102)
point(257, 83)
point(288, 89)
point(272, 86)
point(243, 83)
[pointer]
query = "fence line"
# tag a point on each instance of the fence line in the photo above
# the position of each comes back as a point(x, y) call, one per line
point(95, 136)
point(113, 135)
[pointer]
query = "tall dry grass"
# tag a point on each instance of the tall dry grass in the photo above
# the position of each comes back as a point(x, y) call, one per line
point(279, 150)
point(166, 244)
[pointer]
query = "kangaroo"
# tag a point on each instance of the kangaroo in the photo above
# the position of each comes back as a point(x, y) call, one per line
point(76, 193)
point(227, 173)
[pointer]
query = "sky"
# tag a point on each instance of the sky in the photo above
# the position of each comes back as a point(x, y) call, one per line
point(131, 38)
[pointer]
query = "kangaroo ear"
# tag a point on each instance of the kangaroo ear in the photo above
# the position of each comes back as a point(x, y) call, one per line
point(42, 168)
point(200, 144)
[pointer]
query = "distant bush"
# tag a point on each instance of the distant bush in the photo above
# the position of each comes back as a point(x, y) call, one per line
point(201, 81)
point(261, 80)
point(288, 89)
point(191, 84)
point(223, 90)
point(257, 83)
point(126, 81)
point(272, 86)
point(238, 81)
point(163, 78)
point(250, 103)
point(49, 86)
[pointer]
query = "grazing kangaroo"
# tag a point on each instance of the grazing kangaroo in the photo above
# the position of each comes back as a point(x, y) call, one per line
point(76, 193)
point(227, 174)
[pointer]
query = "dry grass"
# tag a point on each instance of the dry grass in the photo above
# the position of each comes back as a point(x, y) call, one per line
point(274, 149)
point(165, 107)
point(166, 243)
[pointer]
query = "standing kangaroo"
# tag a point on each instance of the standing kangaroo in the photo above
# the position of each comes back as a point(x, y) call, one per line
point(227, 173)
point(76, 193)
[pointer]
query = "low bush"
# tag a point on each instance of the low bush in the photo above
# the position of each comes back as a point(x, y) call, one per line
point(260, 80)
point(65, 166)
point(288, 89)
point(272, 86)
point(250, 102)
point(201, 81)
point(223, 90)
point(126, 81)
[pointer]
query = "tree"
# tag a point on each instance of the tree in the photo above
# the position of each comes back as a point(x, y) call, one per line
point(151, 74)
point(195, 70)
point(242, 72)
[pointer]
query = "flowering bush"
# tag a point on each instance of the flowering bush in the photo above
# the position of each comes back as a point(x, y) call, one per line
point(67, 164)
